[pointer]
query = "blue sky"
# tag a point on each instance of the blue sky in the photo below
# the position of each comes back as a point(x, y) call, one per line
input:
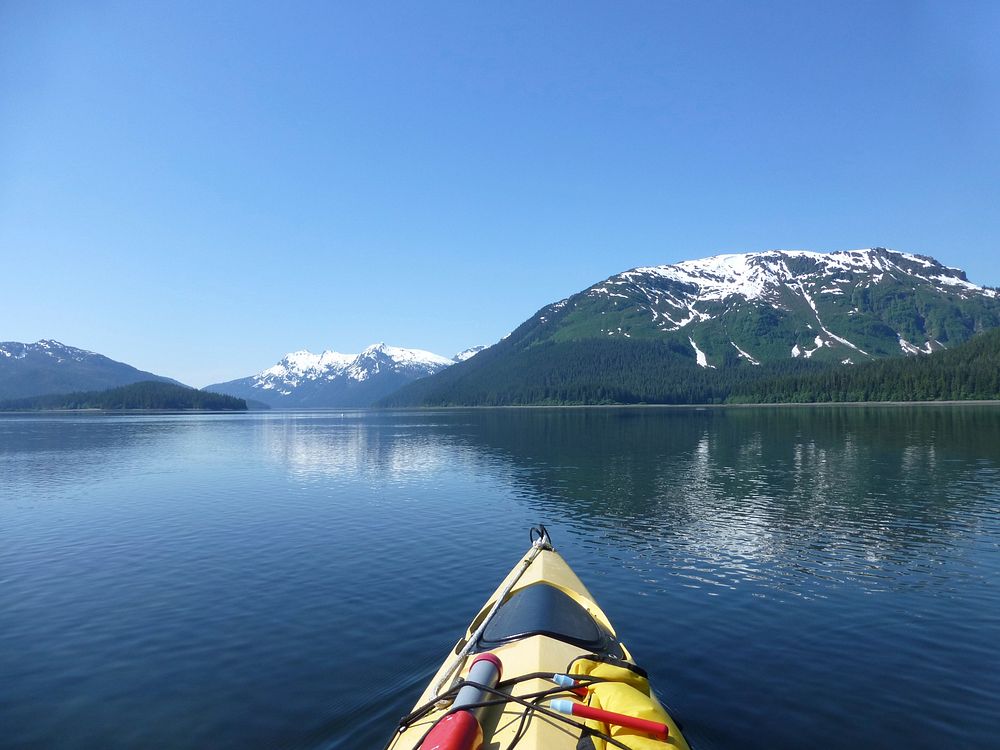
point(198, 187)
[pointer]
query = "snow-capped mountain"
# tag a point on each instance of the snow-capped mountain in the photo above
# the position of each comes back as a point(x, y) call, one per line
point(756, 307)
point(467, 353)
point(334, 379)
point(48, 366)
point(729, 311)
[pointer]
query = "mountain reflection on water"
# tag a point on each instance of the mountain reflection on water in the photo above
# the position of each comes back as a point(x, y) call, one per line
point(871, 486)
point(790, 577)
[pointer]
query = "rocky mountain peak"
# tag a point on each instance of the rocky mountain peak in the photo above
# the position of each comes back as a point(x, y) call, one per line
point(761, 306)
point(332, 378)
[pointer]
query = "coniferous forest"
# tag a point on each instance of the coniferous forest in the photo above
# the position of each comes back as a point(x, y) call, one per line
point(143, 395)
point(596, 371)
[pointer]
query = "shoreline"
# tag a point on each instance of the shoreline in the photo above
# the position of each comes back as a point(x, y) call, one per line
point(783, 404)
point(124, 411)
point(354, 409)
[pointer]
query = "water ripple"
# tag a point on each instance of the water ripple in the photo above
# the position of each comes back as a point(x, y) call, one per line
point(293, 579)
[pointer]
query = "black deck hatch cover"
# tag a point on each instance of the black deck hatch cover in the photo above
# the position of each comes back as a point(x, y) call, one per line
point(544, 610)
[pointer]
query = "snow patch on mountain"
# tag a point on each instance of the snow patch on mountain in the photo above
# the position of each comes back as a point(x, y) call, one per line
point(758, 276)
point(700, 355)
point(744, 354)
point(927, 348)
point(380, 357)
point(807, 353)
point(964, 283)
point(472, 351)
point(298, 367)
point(685, 295)
point(409, 357)
point(49, 347)
point(295, 367)
point(49, 366)
point(335, 379)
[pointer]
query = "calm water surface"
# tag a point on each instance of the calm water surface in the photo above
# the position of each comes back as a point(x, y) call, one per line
point(791, 578)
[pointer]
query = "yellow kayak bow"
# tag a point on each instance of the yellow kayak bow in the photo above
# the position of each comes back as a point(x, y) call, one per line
point(539, 668)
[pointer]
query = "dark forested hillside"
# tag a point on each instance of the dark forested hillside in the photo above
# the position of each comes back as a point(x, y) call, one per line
point(769, 326)
point(969, 371)
point(657, 372)
point(145, 395)
point(572, 372)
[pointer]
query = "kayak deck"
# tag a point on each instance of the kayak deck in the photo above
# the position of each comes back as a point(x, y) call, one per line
point(546, 621)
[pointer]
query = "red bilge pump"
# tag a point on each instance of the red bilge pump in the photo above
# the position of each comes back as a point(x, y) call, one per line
point(460, 729)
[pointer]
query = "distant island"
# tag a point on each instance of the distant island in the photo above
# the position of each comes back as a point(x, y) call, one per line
point(145, 395)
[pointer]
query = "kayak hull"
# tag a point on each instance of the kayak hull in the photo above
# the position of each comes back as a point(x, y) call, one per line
point(562, 623)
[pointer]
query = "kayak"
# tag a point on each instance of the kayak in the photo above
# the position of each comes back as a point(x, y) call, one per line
point(539, 667)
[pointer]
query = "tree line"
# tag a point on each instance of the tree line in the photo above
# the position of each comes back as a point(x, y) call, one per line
point(144, 395)
point(618, 371)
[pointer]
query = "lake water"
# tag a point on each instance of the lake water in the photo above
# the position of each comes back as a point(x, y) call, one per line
point(790, 577)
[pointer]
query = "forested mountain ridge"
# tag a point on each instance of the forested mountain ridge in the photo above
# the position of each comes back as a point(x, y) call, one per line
point(617, 372)
point(970, 371)
point(768, 306)
point(145, 395)
point(691, 333)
